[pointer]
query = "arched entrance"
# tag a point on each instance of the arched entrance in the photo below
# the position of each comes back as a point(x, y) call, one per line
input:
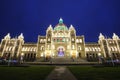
point(60, 51)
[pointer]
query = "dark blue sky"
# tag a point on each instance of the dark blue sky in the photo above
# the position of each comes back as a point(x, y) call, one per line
point(32, 17)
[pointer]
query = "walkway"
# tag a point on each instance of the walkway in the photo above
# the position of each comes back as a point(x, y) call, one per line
point(61, 73)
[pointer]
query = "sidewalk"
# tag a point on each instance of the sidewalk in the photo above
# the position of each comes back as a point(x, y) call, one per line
point(61, 73)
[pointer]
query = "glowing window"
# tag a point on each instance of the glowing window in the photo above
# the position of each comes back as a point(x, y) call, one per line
point(41, 40)
point(42, 47)
point(77, 40)
point(80, 40)
point(53, 47)
point(93, 48)
point(90, 49)
point(79, 48)
point(10, 48)
point(7, 49)
point(72, 39)
point(68, 47)
point(48, 39)
point(67, 39)
point(86, 49)
point(115, 48)
point(44, 40)
point(48, 46)
point(112, 48)
point(73, 47)
point(23, 49)
point(34, 49)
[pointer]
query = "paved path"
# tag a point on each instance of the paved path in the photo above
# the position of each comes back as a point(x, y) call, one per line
point(61, 73)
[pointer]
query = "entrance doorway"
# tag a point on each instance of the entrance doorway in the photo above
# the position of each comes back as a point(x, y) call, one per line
point(60, 52)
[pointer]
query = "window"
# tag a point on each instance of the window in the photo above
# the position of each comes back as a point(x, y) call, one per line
point(73, 47)
point(34, 49)
point(30, 49)
point(53, 47)
point(7, 49)
point(110, 41)
point(41, 40)
point(93, 48)
point(63, 39)
point(10, 48)
point(77, 40)
point(68, 47)
point(79, 48)
point(112, 48)
point(80, 40)
point(42, 54)
point(72, 39)
point(42, 47)
point(115, 48)
point(44, 40)
point(48, 47)
point(86, 49)
point(67, 40)
point(99, 49)
point(48, 39)
point(58, 34)
point(90, 49)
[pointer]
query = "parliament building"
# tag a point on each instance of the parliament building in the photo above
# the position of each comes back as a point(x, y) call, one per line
point(60, 41)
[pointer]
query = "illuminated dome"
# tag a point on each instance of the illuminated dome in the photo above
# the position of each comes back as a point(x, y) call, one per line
point(60, 26)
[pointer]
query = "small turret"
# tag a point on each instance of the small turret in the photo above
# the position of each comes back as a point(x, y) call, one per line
point(115, 36)
point(71, 27)
point(21, 36)
point(101, 37)
point(50, 27)
point(7, 36)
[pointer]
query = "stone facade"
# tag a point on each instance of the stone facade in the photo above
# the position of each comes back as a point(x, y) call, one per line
point(60, 41)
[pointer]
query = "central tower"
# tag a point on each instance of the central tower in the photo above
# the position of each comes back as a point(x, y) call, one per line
point(60, 41)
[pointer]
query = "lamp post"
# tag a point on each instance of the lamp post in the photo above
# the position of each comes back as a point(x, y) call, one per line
point(111, 60)
point(99, 57)
point(21, 58)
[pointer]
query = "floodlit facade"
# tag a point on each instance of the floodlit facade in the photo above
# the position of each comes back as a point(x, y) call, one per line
point(60, 41)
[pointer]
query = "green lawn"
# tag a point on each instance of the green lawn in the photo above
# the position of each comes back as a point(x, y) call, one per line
point(25, 73)
point(92, 73)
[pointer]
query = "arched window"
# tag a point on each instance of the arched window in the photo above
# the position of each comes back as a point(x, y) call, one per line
point(93, 49)
point(44, 40)
point(68, 47)
point(77, 41)
point(42, 47)
point(48, 39)
point(48, 47)
point(53, 46)
point(72, 39)
point(41, 40)
point(7, 49)
point(34, 49)
point(23, 49)
point(73, 47)
point(79, 48)
point(80, 40)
